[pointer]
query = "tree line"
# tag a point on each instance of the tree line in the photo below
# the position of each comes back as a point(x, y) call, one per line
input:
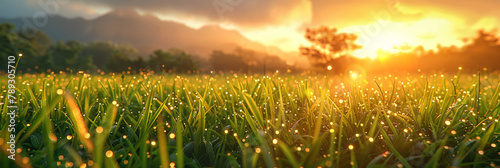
point(41, 55)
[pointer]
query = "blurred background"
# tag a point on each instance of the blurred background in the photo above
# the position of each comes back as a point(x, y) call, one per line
point(250, 36)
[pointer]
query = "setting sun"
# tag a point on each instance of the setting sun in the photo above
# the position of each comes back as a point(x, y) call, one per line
point(394, 37)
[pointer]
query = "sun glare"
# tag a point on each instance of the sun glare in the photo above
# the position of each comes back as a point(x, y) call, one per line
point(394, 37)
point(354, 75)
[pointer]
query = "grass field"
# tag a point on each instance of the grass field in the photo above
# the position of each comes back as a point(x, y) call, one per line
point(282, 120)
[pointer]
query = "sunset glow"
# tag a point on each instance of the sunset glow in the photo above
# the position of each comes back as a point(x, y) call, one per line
point(396, 37)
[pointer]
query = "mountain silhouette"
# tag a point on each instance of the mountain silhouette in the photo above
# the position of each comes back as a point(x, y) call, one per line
point(148, 33)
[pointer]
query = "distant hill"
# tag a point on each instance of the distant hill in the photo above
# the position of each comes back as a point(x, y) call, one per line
point(148, 33)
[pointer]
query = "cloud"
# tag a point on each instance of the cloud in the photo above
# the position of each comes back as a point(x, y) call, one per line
point(244, 13)
point(66, 8)
point(358, 12)
point(248, 13)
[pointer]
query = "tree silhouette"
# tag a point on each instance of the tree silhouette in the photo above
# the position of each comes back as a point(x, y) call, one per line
point(328, 46)
point(173, 60)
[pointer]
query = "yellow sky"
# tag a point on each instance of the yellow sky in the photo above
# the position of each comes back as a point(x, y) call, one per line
point(382, 29)
point(437, 26)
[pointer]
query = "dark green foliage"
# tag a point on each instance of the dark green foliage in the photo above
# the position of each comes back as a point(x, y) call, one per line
point(246, 61)
point(40, 55)
point(173, 60)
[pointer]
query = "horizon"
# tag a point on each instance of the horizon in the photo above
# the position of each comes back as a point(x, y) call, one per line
point(386, 25)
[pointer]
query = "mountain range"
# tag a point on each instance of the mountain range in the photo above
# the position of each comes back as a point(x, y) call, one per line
point(148, 33)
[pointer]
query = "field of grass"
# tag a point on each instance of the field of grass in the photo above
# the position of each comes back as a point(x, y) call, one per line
point(283, 120)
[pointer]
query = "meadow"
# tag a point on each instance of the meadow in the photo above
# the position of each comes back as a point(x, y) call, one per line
point(237, 120)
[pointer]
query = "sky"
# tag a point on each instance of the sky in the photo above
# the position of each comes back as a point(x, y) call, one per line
point(380, 24)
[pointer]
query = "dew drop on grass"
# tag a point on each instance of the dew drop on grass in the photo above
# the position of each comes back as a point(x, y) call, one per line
point(109, 153)
point(26, 160)
point(99, 129)
point(60, 91)
point(53, 137)
point(480, 152)
point(447, 122)
point(351, 147)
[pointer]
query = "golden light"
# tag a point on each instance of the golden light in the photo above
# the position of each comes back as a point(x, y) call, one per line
point(109, 153)
point(258, 150)
point(447, 122)
point(60, 92)
point(99, 129)
point(26, 160)
point(354, 75)
point(385, 37)
point(69, 164)
point(351, 147)
point(480, 152)
point(80, 125)
point(53, 137)
point(329, 67)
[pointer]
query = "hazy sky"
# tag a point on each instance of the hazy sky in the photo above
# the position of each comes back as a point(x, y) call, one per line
point(381, 24)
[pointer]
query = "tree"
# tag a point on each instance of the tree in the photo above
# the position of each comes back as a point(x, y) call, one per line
point(174, 60)
point(40, 41)
point(328, 46)
point(221, 61)
point(103, 53)
point(161, 61)
point(184, 61)
point(118, 62)
point(138, 64)
point(6, 31)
